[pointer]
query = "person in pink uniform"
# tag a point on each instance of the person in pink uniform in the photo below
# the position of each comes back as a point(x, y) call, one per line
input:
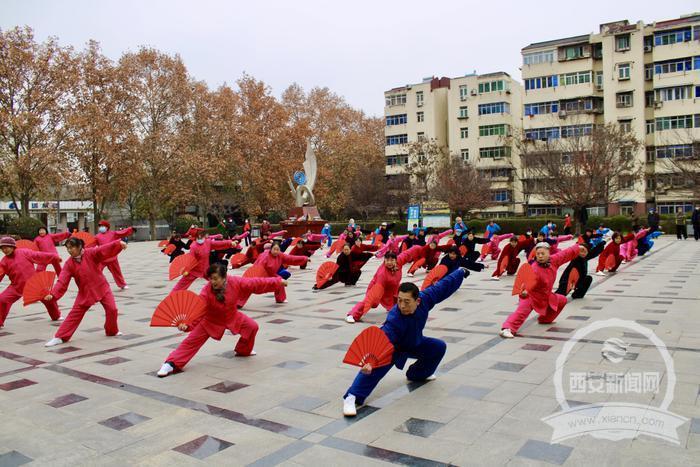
point(46, 242)
point(392, 244)
point(389, 276)
point(221, 295)
point(18, 265)
point(271, 261)
point(628, 250)
point(85, 266)
point(201, 248)
point(554, 241)
point(105, 236)
point(546, 303)
point(494, 248)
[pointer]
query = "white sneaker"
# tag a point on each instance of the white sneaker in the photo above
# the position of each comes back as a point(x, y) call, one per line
point(251, 354)
point(119, 334)
point(126, 287)
point(54, 341)
point(410, 274)
point(431, 378)
point(506, 334)
point(165, 370)
point(349, 319)
point(600, 273)
point(61, 318)
point(495, 278)
point(349, 409)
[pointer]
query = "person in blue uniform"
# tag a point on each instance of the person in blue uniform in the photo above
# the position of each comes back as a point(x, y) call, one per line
point(404, 328)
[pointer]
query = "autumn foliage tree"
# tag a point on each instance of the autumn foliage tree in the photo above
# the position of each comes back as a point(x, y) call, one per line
point(461, 186)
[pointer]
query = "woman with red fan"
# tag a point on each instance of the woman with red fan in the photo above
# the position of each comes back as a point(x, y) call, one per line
point(508, 261)
point(388, 276)
point(541, 299)
point(430, 254)
point(201, 249)
point(610, 258)
point(46, 242)
point(404, 328)
point(85, 265)
point(350, 262)
point(271, 261)
point(221, 295)
point(18, 264)
point(176, 241)
point(580, 265)
point(105, 236)
point(494, 246)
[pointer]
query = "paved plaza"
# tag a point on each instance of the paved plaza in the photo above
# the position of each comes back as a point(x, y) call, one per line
point(96, 400)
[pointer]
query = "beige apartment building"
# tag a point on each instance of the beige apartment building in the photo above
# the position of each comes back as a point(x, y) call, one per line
point(643, 77)
point(472, 116)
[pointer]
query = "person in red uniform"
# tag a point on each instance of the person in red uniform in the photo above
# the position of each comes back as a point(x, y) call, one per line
point(509, 251)
point(612, 249)
point(541, 299)
point(350, 262)
point(430, 253)
point(85, 266)
point(221, 295)
point(18, 265)
point(201, 248)
point(46, 242)
point(105, 236)
point(272, 261)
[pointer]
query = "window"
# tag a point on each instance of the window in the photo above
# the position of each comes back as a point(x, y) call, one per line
point(492, 86)
point(599, 80)
point(494, 108)
point(542, 82)
point(672, 37)
point(535, 58)
point(650, 126)
point(465, 154)
point(675, 93)
point(676, 65)
point(419, 98)
point(399, 159)
point(623, 99)
point(464, 133)
point(494, 152)
point(625, 125)
point(420, 117)
point(649, 99)
point(463, 93)
point(395, 99)
point(648, 43)
point(501, 196)
point(495, 173)
point(648, 71)
point(626, 182)
point(541, 108)
point(672, 208)
point(626, 209)
point(579, 77)
point(599, 211)
point(396, 139)
point(651, 154)
point(677, 151)
point(622, 42)
point(464, 112)
point(571, 131)
point(543, 211)
point(542, 133)
point(623, 71)
point(396, 119)
point(597, 50)
point(675, 122)
point(420, 136)
point(494, 130)
point(574, 52)
point(586, 104)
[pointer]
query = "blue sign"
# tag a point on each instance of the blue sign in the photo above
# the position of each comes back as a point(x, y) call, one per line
point(414, 211)
point(300, 177)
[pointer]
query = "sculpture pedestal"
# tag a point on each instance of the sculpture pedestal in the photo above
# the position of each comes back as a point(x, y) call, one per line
point(312, 221)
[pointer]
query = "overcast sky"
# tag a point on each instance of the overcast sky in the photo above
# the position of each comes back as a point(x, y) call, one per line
point(358, 48)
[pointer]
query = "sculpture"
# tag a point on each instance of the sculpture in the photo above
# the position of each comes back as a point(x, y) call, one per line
point(303, 193)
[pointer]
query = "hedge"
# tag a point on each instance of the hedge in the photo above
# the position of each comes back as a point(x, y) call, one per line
point(24, 227)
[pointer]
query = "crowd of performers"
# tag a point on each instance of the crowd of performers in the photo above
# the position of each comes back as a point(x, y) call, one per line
point(446, 257)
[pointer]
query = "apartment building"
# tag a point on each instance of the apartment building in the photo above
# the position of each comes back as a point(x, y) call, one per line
point(645, 78)
point(471, 116)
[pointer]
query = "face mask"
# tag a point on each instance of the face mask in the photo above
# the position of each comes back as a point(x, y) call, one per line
point(200, 241)
point(102, 229)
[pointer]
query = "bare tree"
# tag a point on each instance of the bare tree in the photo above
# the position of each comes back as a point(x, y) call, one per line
point(424, 158)
point(676, 164)
point(460, 185)
point(587, 166)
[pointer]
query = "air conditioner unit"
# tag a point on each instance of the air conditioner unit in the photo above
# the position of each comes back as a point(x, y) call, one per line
point(507, 91)
point(473, 93)
point(599, 87)
point(562, 114)
point(647, 48)
point(419, 104)
point(658, 104)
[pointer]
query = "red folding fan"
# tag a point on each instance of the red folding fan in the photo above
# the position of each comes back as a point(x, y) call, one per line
point(437, 273)
point(524, 280)
point(531, 256)
point(370, 346)
point(181, 307)
point(38, 286)
point(503, 263)
point(573, 279)
point(325, 273)
point(255, 270)
point(162, 243)
point(28, 244)
point(610, 262)
point(373, 297)
point(169, 249)
point(181, 265)
point(295, 241)
point(238, 260)
point(485, 249)
point(87, 238)
point(462, 250)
